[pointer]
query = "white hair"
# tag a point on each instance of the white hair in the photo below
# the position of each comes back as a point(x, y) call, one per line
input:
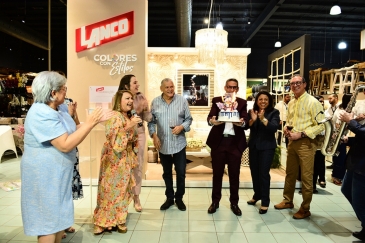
point(44, 83)
point(165, 80)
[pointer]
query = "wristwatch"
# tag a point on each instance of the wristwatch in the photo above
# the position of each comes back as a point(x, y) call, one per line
point(302, 134)
point(264, 120)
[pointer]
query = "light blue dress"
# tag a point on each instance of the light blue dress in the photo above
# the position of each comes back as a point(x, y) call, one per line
point(46, 173)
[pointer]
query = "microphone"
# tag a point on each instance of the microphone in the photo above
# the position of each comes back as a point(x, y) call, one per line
point(134, 113)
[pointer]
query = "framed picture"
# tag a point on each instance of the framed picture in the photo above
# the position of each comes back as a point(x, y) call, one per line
point(196, 86)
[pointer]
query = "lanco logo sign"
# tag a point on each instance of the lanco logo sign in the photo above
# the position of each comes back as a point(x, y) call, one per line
point(105, 31)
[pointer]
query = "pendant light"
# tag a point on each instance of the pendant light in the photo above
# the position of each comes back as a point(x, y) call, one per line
point(335, 10)
point(211, 43)
point(342, 45)
point(278, 43)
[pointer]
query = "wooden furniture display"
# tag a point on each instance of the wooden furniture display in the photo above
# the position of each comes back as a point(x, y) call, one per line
point(348, 77)
point(337, 82)
point(326, 81)
point(6, 140)
point(199, 158)
point(315, 80)
point(360, 75)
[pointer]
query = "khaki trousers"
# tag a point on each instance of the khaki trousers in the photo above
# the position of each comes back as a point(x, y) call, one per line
point(300, 153)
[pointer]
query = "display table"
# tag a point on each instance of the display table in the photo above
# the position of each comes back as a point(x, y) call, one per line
point(18, 136)
point(199, 158)
point(18, 133)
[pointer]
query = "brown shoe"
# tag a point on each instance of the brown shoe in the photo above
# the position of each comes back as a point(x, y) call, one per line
point(284, 205)
point(302, 214)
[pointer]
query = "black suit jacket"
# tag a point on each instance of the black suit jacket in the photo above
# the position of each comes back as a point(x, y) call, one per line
point(263, 137)
point(216, 133)
point(356, 155)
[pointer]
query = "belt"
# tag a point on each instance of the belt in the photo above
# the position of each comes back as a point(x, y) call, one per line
point(227, 135)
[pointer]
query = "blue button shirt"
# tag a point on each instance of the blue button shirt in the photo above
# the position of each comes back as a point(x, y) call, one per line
point(162, 112)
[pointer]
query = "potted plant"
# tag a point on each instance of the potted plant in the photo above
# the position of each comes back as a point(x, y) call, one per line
point(276, 164)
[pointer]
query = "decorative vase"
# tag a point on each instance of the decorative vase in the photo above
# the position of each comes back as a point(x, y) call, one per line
point(152, 154)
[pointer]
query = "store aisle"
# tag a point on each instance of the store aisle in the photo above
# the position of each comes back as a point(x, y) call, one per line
point(332, 218)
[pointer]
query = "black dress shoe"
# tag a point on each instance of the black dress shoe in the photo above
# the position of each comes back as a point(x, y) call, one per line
point(213, 208)
point(262, 211)
point(360, 235)
point(236, 210)
point(169, 202)
point(180, 204)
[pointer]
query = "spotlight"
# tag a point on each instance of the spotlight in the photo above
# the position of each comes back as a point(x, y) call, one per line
point(335, 10)
point(342, 45)
point(278, 43)
point(219, 26)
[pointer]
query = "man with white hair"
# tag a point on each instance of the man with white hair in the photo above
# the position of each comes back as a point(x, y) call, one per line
point(171, 119)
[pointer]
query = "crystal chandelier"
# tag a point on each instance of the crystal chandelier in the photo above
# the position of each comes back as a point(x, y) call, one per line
point(211, 43)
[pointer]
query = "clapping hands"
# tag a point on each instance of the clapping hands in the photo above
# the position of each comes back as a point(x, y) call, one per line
point(99, 115)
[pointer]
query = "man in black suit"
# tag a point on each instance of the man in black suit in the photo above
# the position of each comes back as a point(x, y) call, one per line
point(353, 184)
point(227, 142)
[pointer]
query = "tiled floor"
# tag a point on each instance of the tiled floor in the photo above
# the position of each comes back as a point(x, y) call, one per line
point(332, 218)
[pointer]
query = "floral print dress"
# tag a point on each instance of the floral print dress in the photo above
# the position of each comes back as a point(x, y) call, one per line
point(116, 180)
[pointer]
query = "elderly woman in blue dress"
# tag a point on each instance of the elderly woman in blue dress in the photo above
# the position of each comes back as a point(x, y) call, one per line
point(50, 139)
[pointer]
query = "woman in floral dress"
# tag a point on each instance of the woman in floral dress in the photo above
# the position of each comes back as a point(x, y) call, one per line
point(118, 158)
point(140, 105)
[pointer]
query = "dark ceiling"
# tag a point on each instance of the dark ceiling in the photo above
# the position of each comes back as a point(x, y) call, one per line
point(294, 18)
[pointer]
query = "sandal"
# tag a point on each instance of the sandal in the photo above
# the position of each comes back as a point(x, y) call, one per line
point(70, 230)
point(98, 230)
point(64, 236)
point(122, 228)
point(137, 204)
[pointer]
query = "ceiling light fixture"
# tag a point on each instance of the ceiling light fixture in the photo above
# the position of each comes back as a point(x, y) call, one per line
point(220, 24)
point(335, 10)
point(278, 43)
point(342, 45)
point(248, 21)
point(211, 43)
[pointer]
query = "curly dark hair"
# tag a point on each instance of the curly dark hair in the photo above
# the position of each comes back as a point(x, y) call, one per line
point(270, 107)
point(345, 100)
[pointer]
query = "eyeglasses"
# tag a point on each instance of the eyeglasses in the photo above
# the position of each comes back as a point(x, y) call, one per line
point(64, 88)
point(295, 83)
point(232, 87)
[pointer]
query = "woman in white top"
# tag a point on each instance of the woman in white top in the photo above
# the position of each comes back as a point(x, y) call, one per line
point(339, 167)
